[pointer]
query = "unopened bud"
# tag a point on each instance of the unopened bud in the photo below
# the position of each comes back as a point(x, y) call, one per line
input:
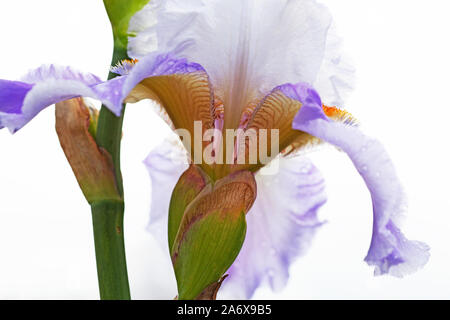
point(211, 232)
point(91, 165)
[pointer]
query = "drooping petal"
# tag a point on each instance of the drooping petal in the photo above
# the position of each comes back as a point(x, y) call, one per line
point(173, 82)
point(21, 101)
point(390, 252)
point(165, 164)
point(12, 94)
point(280, 227)
point(247, 47)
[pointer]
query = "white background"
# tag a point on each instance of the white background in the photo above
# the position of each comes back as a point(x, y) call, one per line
point(402, 55)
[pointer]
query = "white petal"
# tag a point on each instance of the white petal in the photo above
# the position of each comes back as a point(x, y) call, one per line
point(247, 47)
point(165, 165)
point(142, 24)
point(280, 227)
point(336, 76)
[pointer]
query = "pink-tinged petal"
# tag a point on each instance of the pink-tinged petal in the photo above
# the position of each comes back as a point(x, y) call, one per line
point(165, 164)
point(280, 227)
point(390, 252)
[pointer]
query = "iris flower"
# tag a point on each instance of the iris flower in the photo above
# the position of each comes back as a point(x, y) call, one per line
point(264, 59)
point(249, 64)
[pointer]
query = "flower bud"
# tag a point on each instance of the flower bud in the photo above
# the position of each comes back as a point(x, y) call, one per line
point(191, 182)
point(211, 230)
point(91, 165)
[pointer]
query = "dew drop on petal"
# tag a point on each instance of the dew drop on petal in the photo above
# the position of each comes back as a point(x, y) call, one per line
point(304, 170)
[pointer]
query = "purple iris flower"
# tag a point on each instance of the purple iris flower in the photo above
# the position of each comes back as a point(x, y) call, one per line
point(228, 63)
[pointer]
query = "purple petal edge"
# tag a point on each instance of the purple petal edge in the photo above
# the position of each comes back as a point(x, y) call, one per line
point(165, 164)
point(280, 228)
point(157, 64)
point(389, 252)
point(21, 101)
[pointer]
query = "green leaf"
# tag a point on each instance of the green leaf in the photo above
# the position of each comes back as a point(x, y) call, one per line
point(120, 13)
point(211, 233)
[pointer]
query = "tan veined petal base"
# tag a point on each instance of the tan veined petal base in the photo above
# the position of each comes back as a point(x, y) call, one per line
point(275, 112)
point(185, 97)
point(188, 98)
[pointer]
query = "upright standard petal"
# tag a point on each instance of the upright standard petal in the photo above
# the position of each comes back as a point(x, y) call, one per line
point(336, 75)
point(120, 13)
point(390, 252)
point(280, 227)
point(231, 40)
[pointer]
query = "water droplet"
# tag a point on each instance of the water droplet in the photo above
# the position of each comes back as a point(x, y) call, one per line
point(304, 170)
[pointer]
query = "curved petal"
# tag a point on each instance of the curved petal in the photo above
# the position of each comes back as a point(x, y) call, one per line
point(12, 94)
point(181, 87)
point(280, 227)
point(390, 252)
point(21, 101)
point(277, 111)
point(165, 164)
point(175, 83)
point(230, 39)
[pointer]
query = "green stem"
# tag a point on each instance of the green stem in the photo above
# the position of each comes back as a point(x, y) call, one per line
point(107, 219)
point(107, 216)
point(109, 128)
